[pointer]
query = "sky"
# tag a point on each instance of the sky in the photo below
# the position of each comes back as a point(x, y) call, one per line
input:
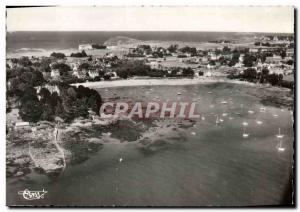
point(109, 18)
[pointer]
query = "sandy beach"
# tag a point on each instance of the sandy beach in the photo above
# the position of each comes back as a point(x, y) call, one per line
point(159, 81)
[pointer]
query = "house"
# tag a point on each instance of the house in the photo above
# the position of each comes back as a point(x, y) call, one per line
point(50, 88)
point(274, 59)
point(290, 52)
point(46, 74)
point(213, 56)
point(11, 63)
point(238, 65)
point(241, 58)
point(55, 74)
point(155, 65)
point(19, 125)
point(204, 59)
point(209, 66)
point(253, 50)
point(112, 47)
point(131, 50)
point(93, 73)
point(80, 74)
point(207, 74)
point(85, 47)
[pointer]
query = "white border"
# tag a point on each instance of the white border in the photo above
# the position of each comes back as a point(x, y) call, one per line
point(3, 3)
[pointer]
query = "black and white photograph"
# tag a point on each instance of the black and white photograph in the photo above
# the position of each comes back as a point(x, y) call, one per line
point(150, 106)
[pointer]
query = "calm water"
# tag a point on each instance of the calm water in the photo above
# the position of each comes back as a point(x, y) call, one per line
point(216, 166)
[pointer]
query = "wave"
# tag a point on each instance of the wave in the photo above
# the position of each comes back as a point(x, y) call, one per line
point(29, 50)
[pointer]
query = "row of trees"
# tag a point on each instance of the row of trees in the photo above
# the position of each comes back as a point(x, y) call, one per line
point(71, 103)
point(251, 75)
point(138, 68)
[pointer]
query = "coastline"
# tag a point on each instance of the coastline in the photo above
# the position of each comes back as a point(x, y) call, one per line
point(160, 81)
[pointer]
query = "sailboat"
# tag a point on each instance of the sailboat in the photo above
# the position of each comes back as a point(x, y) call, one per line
point(279, 146)
point(279, 135)
point(262, 109)
point(245, 135)
point(217, 120)
point(239, 113)
point(259, 122)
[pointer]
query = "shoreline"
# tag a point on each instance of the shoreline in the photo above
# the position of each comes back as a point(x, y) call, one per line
point(160, 81)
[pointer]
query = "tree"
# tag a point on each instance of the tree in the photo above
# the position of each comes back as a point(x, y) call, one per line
point(173, 48)
point(45, 65)
point(122, 73)
point(249, 60)
point(226, 49)
point(283, 54)
point(62, 67)
point(45, 95)
point(31, 110)
point(58, 55)
point(24, 61)
point(250, 74)
point(188, 72)
point(84, 66)
point(273, 79)
point(79, 54)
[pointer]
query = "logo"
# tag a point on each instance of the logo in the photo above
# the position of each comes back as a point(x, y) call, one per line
point(143, 110)
point(32, 195)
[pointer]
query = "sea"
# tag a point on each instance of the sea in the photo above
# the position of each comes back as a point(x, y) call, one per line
point(34, 41)
point(206, 164)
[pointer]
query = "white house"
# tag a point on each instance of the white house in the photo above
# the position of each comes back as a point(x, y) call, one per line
point(55, 74)
point(80, 73)
point(85, 47)
point(112, 47)
point(93, 73)
point(22, 124)
point(207, 74)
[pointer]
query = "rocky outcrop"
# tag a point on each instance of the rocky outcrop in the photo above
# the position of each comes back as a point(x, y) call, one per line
point(120, 40)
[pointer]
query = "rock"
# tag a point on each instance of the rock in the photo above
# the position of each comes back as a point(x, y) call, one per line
point(19, 173)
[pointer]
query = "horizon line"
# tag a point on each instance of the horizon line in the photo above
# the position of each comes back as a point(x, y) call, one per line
point(143, 31)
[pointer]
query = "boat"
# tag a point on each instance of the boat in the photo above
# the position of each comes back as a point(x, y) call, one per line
point(259, 122)
point(245, 135)
point(224, 102)
point(279, 135)
point(217, 120)
point(178, 93)
point(245, 123)
point(209, 92)
point(279, 147)
point(262, 109)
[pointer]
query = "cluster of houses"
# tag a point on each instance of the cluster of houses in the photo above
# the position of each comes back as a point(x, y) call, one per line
point(160, 58)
